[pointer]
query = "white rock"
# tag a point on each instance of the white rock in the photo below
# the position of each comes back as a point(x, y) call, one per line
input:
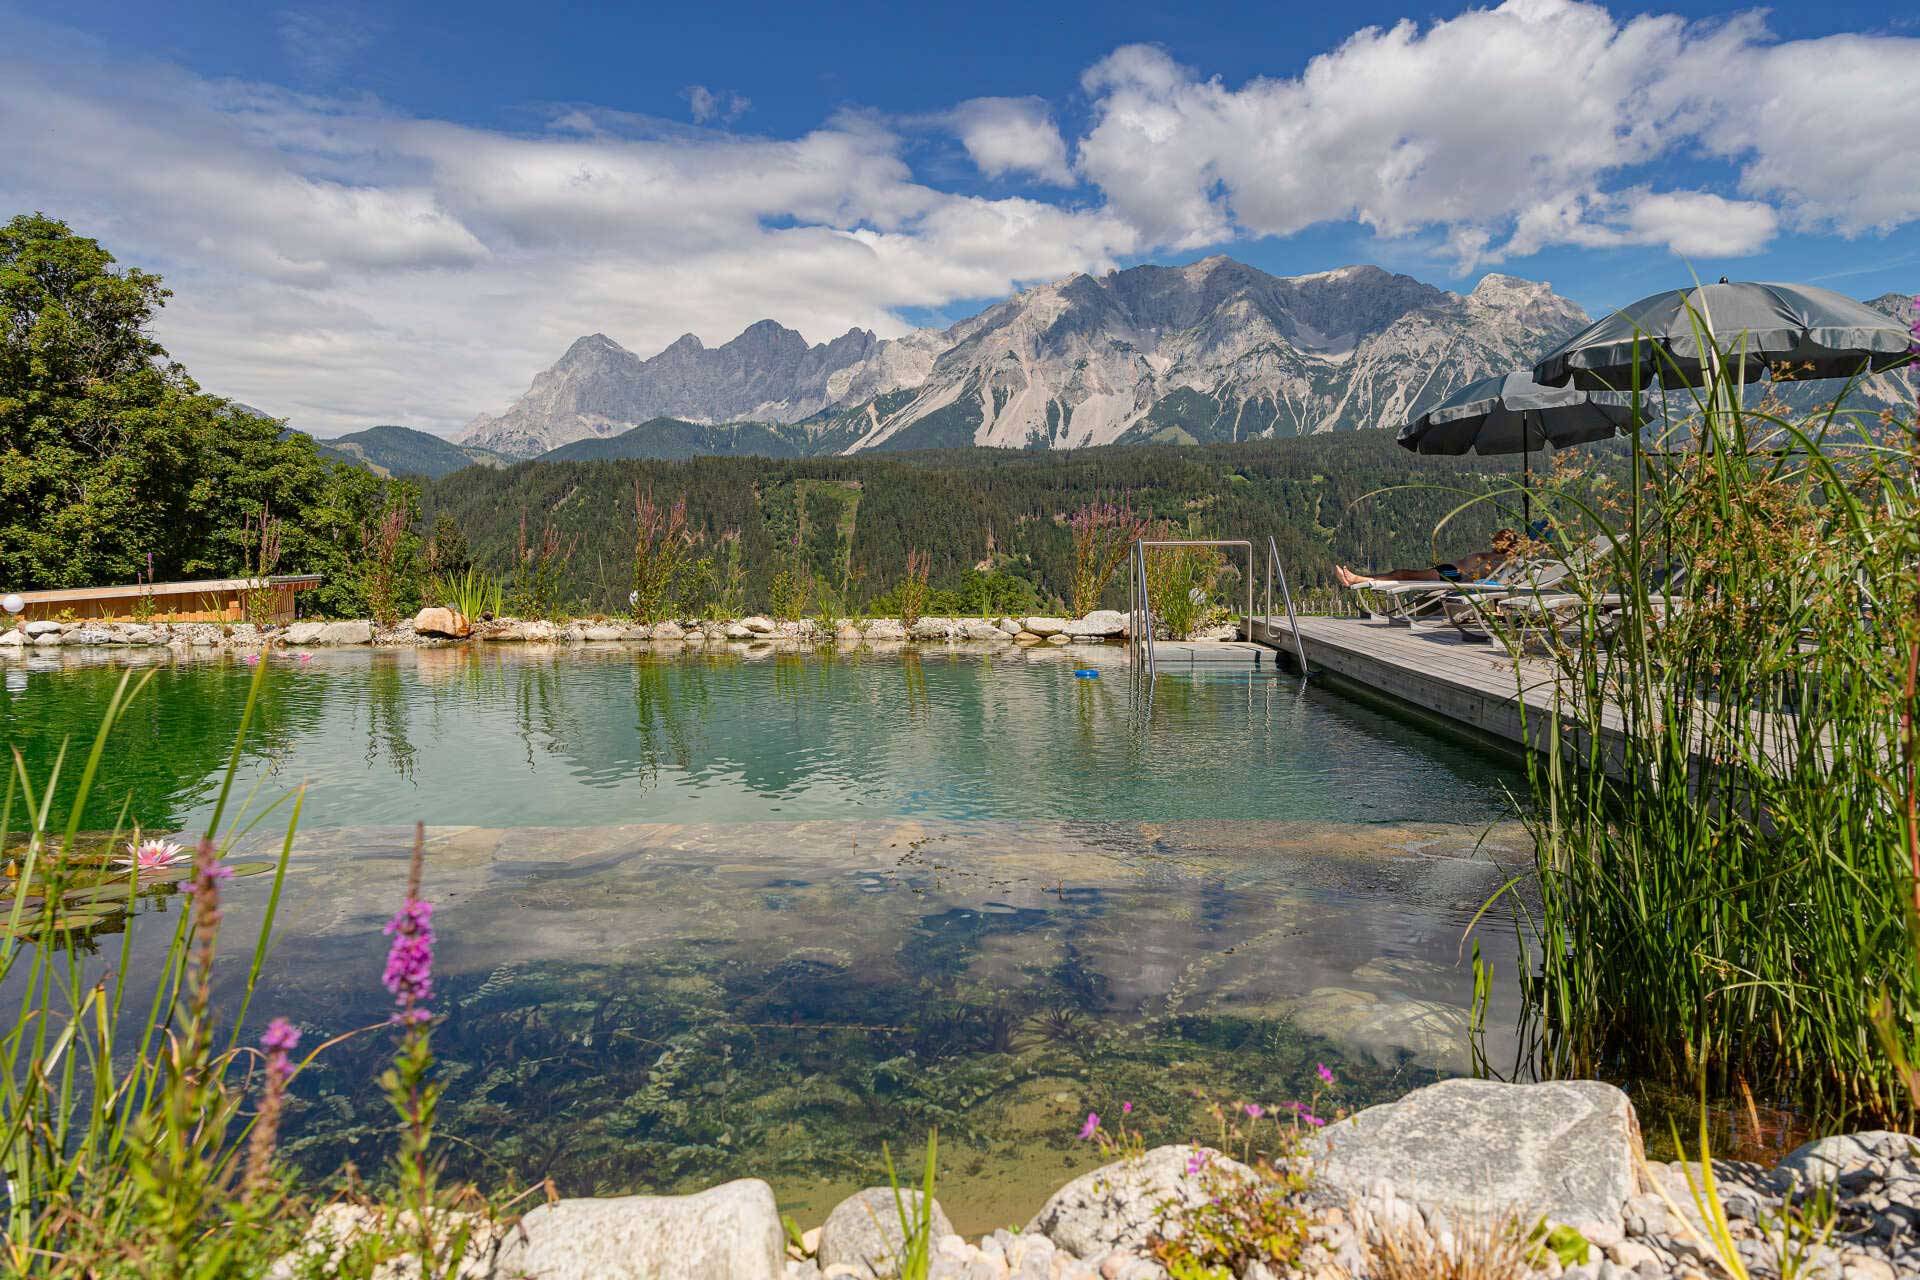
point(357, 631)
point(540, 630)
point(669, 631)
point(1566, 1149)
point(756, 625)
point(931, 629)
point(979, 629)
point(1101, 624)
point(14, 639)
point(1043, 627)
point(1119, 1205)
point(303, 633)
point(47, 639)
point(605, 631)
point(728, 1232)
point(739, 631)
point(863, 1232)
point(884, 629)
point(636, 631)
point(91, 636)
point(41, 627)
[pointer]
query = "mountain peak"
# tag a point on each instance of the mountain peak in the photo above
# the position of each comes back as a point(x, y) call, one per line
point(594, 344)
point(686, 342)
point(1211, 350)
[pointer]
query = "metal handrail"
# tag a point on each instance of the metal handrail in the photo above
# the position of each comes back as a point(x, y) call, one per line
point(1286, 595)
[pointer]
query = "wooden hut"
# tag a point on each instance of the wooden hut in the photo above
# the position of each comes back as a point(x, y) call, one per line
point(267, 601)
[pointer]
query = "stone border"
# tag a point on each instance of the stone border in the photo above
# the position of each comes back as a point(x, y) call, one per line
point(434, 627)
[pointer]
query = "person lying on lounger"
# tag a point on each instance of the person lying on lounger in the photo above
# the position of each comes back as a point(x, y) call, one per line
point(1467, 568)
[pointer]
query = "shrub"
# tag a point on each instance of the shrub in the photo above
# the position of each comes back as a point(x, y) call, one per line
point(1103, 532)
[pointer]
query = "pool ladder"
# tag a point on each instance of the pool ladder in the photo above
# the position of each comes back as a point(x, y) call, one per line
point(1140, 602)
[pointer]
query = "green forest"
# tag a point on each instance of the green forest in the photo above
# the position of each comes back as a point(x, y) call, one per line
point(115, 467)
point(992, 521)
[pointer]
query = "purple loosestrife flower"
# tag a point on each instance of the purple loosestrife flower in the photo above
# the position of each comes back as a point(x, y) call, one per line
point(277, 1041)
point(1091, 1127)
point(409, 974)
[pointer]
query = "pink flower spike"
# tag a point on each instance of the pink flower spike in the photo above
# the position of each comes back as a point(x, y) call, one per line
point(1254, 1110)
point(1126, 1108)
point(1326, 1076)
point(1091, 1127)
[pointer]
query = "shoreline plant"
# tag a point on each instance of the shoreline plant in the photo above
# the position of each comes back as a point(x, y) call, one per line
point(1103, 531)
point(1725, 822)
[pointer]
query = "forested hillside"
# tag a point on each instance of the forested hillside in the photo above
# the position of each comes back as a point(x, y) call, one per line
point(993, 521)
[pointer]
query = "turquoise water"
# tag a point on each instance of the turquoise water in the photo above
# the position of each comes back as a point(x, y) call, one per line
point(709, 916)
point(499, 736)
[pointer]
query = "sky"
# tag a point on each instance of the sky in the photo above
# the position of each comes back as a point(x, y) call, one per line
point(400, 213)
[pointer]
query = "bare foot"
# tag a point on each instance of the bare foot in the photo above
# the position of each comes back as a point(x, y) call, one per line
point(1348, 578)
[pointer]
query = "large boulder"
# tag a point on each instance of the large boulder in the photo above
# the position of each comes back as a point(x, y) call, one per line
point(448, 624)
point(15, 639)
point(358, 631)
point(931, 629)
point(1565, 1150)
point(669, 631)
point(92, 636)
point(728, 1232)
point(885, 629)
point(1117, 1206)
point(863, 1232)
point(303, 632)
point(980, 629)
point(41, 627)
point(1101, 624)
point(605, 631)
point(1045, 626)
point(758, 625)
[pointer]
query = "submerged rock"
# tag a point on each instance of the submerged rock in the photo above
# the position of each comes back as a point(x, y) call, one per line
point(1117, 1206)
point(728, 1232)
point(1566, 1149)
point(1388, 1026)
point(863, 1232)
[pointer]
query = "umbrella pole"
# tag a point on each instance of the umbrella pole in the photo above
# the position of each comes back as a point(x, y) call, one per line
point(1526, 479)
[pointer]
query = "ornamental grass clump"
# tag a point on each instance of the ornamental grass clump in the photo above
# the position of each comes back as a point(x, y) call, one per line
point(1725, 823)
point(1103, 532)
point(139, 1135)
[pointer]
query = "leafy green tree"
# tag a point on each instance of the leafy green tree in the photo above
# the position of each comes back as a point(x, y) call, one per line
point(110, 453)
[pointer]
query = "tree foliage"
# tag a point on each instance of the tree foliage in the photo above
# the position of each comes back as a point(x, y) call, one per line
point(113, 461)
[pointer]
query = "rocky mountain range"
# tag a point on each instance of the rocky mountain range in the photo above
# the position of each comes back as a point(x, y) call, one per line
point(1212, 351)
point(1216, 350)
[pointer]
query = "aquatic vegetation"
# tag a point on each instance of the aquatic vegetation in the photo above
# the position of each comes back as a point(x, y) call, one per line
point(1727, 855)
point(1103, 531)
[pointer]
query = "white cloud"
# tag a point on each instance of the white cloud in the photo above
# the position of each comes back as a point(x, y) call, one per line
point(1012, 135)
point(322, 40)
point(1505, 127)
point(705, 105)
point(344, 263)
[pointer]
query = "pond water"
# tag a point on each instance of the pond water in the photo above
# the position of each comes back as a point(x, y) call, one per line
point(706, 915)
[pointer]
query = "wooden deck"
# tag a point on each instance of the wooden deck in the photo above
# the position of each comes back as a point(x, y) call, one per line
point(1435, 673)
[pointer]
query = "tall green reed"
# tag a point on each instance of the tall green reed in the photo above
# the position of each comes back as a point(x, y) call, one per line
point(1722, 837)
point(137, 1133)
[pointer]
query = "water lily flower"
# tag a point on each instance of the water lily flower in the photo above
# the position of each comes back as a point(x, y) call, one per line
point(305, 658)
point(1091, 1127)
point(150, 855)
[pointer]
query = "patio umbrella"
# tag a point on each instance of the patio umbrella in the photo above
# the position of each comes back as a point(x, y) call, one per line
point(1796, 330)
point(1511, 413)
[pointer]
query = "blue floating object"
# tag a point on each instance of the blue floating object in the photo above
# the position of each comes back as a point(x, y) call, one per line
point(1087, 673)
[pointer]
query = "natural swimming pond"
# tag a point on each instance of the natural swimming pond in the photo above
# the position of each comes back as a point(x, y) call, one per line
point(704, 915)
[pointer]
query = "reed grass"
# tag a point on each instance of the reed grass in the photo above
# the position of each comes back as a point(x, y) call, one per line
point(1724, 825)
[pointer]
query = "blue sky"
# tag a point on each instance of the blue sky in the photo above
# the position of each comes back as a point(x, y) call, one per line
point(400, 213)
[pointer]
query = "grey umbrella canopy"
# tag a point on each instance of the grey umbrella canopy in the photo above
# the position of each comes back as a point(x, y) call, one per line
point(1512, 413)
point(1796, 330)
